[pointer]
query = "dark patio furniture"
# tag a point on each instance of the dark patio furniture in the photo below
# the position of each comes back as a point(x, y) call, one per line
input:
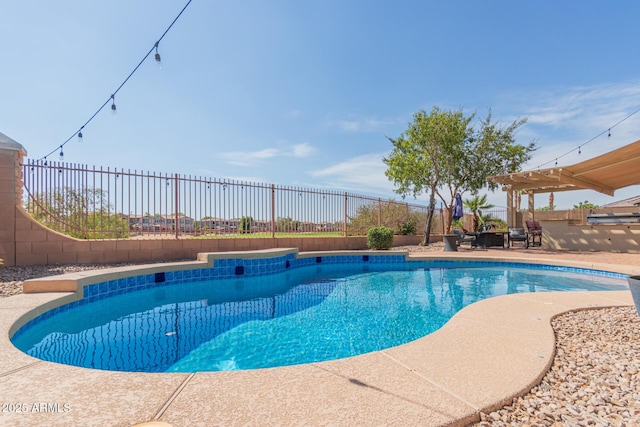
point(486, 239)
point(534, 230)
point(517, 235)
point(463, 237)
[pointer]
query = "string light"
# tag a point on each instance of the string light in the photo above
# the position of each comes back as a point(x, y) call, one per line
point(579, 147)
point(158, 59)
point(61, 154)
point(78, 133)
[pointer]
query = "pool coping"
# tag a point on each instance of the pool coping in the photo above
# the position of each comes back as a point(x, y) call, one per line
point(487, 354)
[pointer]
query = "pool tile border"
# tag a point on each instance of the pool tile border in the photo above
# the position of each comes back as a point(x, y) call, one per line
point(220, 266)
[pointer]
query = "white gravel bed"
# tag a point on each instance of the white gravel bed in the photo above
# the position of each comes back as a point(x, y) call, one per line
point(595, 377)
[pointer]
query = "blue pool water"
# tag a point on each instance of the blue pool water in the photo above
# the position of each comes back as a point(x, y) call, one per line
point(307, 314)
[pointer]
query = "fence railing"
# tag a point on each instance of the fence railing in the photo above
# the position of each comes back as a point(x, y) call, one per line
point(110, 203)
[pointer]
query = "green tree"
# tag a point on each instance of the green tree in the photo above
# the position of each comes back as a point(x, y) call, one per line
point(546, 208)
point(245, 224)
point(585, 205)
point(83, 214)
point(442, 153)
point(286, 224)
point(389, 213)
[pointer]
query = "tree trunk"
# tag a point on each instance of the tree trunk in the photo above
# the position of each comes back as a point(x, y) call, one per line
point(427, 228)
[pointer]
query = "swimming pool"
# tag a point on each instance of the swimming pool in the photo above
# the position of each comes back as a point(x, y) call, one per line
point(247, 314)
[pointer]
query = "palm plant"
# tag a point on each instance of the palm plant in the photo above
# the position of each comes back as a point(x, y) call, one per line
point(476, 205)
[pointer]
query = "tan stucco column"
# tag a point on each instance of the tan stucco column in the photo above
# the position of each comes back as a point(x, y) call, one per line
point(11, 155)
point(532, 205)
point(511, 211)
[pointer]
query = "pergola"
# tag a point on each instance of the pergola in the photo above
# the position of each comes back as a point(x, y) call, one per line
point(605, 173)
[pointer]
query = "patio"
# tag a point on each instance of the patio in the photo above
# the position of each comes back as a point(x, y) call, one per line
point(487, 354)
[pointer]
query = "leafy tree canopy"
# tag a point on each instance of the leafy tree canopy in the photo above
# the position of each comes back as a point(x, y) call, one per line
point(444, 153)
point(585, 205)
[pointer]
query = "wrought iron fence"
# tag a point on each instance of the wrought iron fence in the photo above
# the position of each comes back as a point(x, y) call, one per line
point(110, 203)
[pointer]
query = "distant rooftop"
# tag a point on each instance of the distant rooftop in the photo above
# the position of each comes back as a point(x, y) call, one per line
point(631, 201)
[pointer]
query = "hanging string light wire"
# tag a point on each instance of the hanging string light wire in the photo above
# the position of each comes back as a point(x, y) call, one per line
point(112, 96)
point(579, 147)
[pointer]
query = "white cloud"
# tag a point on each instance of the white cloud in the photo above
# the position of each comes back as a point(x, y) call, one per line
point(250, 158)
point(250, 155)
point(565, 118)
point(363, 173)
point(303, 150)
point(585, 108)
point(357, 126)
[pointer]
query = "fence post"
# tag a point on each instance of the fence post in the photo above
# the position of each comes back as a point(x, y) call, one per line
point(379, 212)
point(177, 207)
point(273, 211)
point(344, 223)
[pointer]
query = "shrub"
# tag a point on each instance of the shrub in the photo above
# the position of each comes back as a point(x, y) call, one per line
point(245, 224)
point(407, 228)
point(380, 238)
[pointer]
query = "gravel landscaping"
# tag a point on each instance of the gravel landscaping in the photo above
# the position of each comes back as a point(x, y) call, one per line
point(595, 377)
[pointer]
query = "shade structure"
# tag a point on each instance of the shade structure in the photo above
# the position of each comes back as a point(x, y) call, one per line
point(605, 173)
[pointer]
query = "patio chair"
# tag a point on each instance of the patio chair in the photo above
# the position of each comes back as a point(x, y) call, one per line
point(462, 237)
point(517, 235)
point(534, 230)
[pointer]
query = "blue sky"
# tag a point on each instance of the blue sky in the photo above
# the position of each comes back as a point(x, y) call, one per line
point(303, 93)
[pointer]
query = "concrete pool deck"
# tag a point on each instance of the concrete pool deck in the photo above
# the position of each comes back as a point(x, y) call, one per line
point(488, 353)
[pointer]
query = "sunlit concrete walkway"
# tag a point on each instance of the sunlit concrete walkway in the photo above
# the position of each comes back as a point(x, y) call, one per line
point(488, 353)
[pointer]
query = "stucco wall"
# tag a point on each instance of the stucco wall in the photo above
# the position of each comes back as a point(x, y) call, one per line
point(36, 244)
point(7, 203)
point(568, 235)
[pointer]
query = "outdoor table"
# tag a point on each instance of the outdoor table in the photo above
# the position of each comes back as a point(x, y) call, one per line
point(487, 239)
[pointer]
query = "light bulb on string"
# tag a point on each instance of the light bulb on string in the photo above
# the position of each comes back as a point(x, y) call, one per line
point(609, 136)
point(158, 59)
point(113, 104)
point(579, 150)
point(61, 154)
